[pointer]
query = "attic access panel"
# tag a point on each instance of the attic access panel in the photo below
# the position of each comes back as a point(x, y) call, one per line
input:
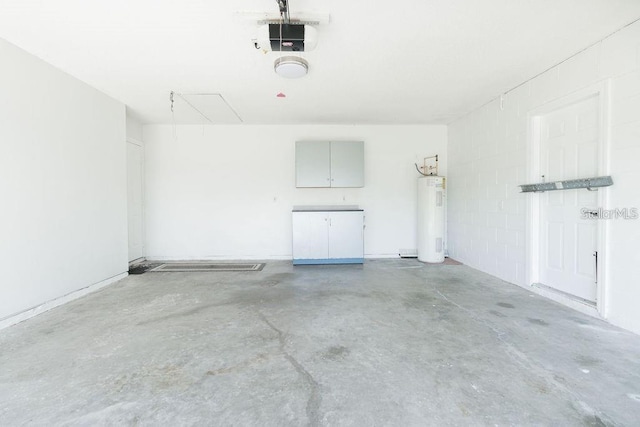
point(203, 108)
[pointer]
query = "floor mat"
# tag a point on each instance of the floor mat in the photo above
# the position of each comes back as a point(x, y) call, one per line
point(207, 266)
point(141, 268)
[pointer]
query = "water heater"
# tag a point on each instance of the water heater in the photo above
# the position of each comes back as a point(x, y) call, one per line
point(431, 212)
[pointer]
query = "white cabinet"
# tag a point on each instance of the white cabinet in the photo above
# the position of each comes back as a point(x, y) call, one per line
point(310, 236)
point(326, 235)
point(329, 164)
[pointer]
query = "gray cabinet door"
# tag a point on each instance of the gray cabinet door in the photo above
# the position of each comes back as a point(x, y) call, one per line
point(347, 164)
point(313, 164)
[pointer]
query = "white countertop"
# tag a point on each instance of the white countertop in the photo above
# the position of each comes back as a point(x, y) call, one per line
point(326, 208)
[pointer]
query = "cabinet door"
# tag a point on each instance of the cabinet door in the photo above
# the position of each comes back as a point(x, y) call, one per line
point(347, 164)
point(346, 235)
point(313, 164)
point(310, 235)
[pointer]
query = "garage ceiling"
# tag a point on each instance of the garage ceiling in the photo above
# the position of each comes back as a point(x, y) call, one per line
point(400, 62)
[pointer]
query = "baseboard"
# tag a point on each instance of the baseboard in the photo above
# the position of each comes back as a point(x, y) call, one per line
point(575, 303)
point(381, 256)
point(34, 311)
point(546, 292)
point(247, 258)
point(328, 261)
point(218, 258)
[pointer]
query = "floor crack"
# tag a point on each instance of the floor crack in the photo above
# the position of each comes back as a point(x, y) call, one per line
point(313, 403)
point(499, 334)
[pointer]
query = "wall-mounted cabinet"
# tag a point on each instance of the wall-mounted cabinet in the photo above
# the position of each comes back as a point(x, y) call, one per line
point(329, 164)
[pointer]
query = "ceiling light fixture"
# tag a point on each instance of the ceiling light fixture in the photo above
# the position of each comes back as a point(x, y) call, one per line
point(291, 67)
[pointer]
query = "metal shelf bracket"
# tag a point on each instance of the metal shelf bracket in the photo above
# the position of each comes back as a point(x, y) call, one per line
point(590, 184)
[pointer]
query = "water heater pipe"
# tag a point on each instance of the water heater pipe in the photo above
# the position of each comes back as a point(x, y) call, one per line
point(426, 168)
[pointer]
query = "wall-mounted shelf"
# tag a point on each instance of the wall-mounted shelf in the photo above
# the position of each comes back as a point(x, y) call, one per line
point(590, 184)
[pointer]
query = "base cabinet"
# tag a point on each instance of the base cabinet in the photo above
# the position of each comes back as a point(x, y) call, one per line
point(328, 237)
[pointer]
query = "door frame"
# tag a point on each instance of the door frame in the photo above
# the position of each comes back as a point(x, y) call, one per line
point(140, 144)
point(603, 91)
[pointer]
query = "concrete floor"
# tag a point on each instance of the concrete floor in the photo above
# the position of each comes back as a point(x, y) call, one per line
point(393, 342)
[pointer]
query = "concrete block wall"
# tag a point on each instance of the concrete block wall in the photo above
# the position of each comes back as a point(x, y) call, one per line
point(488, 158)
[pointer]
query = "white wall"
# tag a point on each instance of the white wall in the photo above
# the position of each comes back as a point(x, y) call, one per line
point(134, 128)
point(488, 158)
point(135, 188)
point(227, 191)
point(63, 222)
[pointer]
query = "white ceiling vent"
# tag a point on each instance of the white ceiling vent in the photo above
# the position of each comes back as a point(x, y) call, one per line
point(203, 108)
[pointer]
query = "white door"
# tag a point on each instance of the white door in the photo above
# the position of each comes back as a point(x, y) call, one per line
point(346, 233)
point(134, 199)
point(569, 143)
